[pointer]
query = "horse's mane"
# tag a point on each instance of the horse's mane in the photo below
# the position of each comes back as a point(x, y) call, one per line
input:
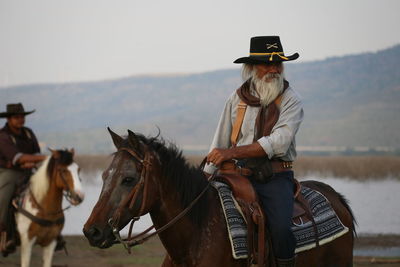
point(64, 157)
point(188, 180)
point(39, 182)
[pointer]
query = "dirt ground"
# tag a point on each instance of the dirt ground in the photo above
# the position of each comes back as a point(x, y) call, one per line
point(152, 253)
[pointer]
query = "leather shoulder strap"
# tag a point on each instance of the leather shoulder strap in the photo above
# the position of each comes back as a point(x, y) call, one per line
point(278, 100)
point(241, 110)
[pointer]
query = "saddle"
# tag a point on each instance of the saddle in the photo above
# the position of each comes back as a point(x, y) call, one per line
point(246, 197)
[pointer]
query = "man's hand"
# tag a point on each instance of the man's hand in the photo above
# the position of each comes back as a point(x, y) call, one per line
point(219, 155)
point(28, 165)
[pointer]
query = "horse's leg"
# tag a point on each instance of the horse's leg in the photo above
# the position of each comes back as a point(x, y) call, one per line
point(26, 250)
point(167, 261)
point(336, 253)
point(48, 252)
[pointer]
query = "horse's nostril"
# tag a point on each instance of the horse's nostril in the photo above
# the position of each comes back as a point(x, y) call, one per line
point(94, 233)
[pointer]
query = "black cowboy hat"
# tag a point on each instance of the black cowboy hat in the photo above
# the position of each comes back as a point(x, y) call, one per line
point(264, 50)
point(15, 109)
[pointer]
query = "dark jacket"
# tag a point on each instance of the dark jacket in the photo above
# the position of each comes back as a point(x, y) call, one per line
point(12, 146)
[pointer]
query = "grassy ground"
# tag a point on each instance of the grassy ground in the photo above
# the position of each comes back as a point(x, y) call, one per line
point(152, 253)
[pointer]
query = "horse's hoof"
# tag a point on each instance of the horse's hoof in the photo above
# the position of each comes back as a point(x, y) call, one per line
point(60, 243)
point(9, 248)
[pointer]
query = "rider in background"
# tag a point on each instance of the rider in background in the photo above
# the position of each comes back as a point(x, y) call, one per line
point(19, 154)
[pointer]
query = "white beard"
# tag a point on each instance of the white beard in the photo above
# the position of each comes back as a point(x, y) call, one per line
point(270, 90)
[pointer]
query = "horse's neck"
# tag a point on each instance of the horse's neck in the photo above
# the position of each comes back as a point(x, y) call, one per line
point(177, 239)
point(44, 190)
point(184, 236)
point(52, 202)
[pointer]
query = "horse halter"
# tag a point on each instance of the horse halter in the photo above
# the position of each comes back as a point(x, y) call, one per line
point(131, 197)
point(68, 193)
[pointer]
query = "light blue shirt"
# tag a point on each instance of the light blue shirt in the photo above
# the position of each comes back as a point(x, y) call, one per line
point(279, 144)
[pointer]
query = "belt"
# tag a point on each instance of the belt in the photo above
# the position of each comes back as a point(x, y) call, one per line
point(281, 166)
point(277, 166)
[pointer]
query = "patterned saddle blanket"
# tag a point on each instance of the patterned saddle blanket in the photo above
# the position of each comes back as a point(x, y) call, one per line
point(328, 224)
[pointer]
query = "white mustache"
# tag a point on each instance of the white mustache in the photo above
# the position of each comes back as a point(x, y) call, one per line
point(270, 76)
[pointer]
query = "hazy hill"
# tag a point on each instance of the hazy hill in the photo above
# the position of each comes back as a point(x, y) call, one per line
point(350, 101)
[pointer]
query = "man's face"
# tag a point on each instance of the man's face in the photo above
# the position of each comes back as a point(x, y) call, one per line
point(16, 121)
point(270, 68)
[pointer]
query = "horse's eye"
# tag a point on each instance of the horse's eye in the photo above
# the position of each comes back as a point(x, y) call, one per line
point(128, 181)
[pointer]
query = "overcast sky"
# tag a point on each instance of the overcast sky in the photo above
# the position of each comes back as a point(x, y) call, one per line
point(81, 40)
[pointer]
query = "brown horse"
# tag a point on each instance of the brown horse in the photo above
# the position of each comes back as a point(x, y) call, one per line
point(39, 215)
point(146, 176)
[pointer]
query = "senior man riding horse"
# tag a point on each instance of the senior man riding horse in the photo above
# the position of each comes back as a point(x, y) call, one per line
point(259, 121)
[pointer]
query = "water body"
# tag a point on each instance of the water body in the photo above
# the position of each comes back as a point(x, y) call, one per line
point(374, 203)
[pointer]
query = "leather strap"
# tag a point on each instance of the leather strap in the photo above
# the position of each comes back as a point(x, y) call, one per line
point(281, 166)
point(241, 110)
point(40, 221)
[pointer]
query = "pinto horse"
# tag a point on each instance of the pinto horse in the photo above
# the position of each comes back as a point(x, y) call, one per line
point(146, 176)
point(39, 215)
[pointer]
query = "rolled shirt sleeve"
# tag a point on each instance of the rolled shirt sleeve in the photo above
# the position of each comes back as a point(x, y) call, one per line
point(223, 132)
point(282, 136)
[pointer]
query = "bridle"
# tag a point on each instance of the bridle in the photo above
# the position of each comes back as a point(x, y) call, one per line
point(131, 199)
point(68, 194)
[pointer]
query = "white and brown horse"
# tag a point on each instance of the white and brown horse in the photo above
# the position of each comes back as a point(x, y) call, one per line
point(39, 216)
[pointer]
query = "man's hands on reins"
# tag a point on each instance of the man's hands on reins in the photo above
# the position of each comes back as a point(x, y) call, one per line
point(219, 155)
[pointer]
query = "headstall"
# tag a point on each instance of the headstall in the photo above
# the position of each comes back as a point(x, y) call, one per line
point(131, 199)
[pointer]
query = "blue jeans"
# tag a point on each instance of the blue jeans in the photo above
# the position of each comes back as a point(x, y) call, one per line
point(276, 197)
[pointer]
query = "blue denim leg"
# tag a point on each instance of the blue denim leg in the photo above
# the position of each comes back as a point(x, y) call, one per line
point(276, 197)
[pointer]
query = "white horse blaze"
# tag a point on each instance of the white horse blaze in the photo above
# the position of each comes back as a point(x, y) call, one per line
point(77, 185)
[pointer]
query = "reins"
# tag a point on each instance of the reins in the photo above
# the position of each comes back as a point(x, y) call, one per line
point(114, 220)
point(41, 221)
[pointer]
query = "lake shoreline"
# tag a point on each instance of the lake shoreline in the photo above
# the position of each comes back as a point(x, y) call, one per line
point(352, 167)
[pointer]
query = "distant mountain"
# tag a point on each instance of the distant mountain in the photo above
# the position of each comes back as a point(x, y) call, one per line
point(349, 101)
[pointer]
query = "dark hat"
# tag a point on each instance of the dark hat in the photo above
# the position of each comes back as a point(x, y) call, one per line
point(266, 49)
point(14, 109)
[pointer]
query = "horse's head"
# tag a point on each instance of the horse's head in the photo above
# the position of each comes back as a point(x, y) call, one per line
point(66, 174)
point(128, 190)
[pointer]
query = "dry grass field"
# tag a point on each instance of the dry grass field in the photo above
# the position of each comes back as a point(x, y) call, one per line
point(355, 167)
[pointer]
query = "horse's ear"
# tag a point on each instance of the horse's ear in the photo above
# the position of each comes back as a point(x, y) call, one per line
point(117, 140)
point(72, 151)
point(133, 140)
point(54, 153)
